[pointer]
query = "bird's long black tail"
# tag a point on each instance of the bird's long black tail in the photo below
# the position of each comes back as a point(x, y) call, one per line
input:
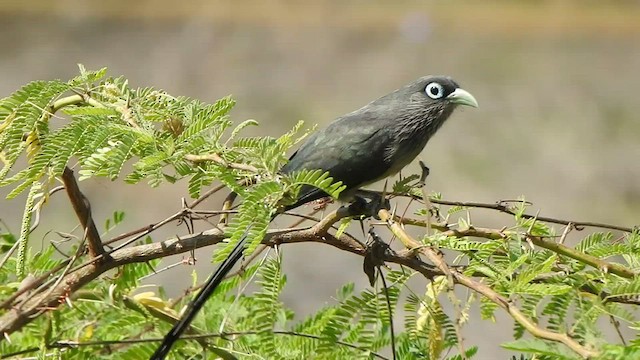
point(212, 283)
point(197, 303)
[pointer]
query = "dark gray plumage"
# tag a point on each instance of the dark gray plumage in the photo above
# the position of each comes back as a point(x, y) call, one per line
point(379, 139)
point(359, 148)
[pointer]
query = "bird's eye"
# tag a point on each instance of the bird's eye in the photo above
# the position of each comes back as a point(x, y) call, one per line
point(434, 90)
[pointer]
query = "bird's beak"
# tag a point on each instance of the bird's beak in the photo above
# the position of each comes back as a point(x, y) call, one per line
point(462, 97)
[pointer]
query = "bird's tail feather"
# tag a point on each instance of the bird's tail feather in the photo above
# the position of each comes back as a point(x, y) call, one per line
point(200, 299)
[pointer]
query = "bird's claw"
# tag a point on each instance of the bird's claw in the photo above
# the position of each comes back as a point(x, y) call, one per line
point(375, 253)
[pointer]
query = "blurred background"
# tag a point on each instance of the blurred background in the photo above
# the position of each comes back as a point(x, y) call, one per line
point(558, 84)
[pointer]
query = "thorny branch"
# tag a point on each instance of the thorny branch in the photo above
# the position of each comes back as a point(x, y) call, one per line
point(503, 207)
point(41, 282)
point(483, 289)
point(556, 247)
point(82, 207)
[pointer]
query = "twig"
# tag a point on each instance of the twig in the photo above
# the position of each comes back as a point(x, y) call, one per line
point(567, 230)
point(591, 260)
point(168, 267)
point(73, 100)
point(36, 283)
point(151, 227)
point(616, 325)
point(83, 274)
point(9, 253)
point(217, 159)
point(500, 206)
point(78, 253)
point(39, 281)
point(206, 195)
point(145, 230)
point(82, 208)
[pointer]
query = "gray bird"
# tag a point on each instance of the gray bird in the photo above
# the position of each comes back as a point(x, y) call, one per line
point(358, 149)
point(379, 139)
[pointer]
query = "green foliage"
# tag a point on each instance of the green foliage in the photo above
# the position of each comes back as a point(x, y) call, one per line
point(116, 131)
point(25, 231)
point(550, 288)
point(97, 313)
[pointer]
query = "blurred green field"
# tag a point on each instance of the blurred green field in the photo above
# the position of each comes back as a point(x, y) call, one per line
point(619, 17)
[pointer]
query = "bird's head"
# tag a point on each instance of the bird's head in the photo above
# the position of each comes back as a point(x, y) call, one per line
point(428, 96)
point(419, 108)
point(439, 91)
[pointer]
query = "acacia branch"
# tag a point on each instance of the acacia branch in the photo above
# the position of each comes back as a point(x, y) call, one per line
point(591, 260)
point(484, 290)
point(16, 318)
point(542, 242)
point(76, 99)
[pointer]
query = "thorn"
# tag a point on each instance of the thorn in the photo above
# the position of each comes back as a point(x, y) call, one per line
point(423, 175)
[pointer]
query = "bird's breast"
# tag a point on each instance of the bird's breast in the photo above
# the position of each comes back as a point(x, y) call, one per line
point(402, 154)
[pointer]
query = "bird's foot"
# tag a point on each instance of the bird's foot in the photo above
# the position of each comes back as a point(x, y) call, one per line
point(360, 205)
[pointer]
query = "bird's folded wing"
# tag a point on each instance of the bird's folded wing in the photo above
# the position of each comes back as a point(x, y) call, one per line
point(351, 149)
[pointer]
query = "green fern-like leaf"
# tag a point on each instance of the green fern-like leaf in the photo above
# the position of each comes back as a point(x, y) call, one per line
point(529, 308)
point(267, 308)
point(556, 310)
point(255, 214)
point(25, 112)
point(592, 240)
point(316, 178)
point(487, 309)
point(201, 119)
point(530, 273)
point(625, 288)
